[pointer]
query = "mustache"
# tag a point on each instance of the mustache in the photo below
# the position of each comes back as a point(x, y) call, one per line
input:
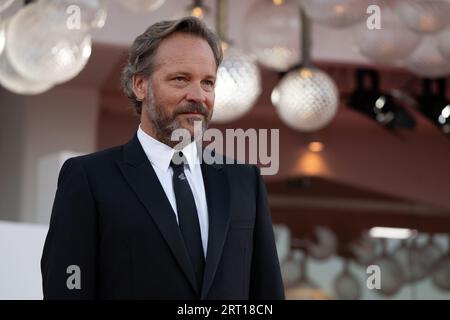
point(192, 108)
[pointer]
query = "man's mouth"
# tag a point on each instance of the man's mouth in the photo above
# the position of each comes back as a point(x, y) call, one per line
point(192, 114)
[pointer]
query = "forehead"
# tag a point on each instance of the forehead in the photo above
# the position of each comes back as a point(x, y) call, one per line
point(185, 50)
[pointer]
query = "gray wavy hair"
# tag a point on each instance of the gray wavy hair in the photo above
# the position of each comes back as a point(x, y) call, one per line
point(141, 54)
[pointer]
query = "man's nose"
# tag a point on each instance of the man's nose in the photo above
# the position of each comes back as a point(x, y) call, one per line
point(196, 94)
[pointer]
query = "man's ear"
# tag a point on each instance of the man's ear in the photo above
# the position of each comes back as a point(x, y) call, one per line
point(140, 85)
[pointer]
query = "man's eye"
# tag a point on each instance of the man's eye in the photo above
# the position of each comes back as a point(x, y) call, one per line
point(179, 79)
point(209, 83)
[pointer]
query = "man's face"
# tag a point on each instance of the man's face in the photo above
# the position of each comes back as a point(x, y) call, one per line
point(180, 90)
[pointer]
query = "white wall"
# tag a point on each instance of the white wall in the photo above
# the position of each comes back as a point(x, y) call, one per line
point(46, 182)
point(62, 119)
point(11, 154)
point(20, 254)
point(31, 129)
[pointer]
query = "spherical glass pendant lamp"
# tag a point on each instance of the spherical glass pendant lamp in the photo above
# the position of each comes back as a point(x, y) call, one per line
point(92, 13)
point(137, 6)
point(197, 9)
point(271, 33)
point(41, 47)
point(238, 85)
point(13, 81)
point(427, 60)
point(2, 36)
point(390, 43)
point(336, 13)
point(4, 4)
point(306, 98)
point(443, 40)
point(424, 16)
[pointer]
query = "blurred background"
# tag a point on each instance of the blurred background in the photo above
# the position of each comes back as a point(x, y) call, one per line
point(358, 90)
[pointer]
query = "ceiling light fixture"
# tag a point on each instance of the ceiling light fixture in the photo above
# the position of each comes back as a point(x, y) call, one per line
point(306, 98)
point(380, 106)
point(238, 83)
point(433, 103)
point(315, 146)
point(392, 233)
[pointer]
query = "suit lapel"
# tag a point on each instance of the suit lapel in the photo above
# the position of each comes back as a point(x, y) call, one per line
point(217, 195)
point(142, 178)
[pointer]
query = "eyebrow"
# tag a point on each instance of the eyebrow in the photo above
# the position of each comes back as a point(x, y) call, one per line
point(183, 73)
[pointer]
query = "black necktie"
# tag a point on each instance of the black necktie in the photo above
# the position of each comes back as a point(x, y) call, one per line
point(187, 216)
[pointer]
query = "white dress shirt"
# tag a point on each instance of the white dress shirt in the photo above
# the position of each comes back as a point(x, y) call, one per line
point(160, 155)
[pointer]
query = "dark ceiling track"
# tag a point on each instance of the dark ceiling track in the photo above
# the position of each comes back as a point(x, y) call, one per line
point(305, 43)
point(198, 3)
point(306, 38)
point(221, 19)
point(25, 2)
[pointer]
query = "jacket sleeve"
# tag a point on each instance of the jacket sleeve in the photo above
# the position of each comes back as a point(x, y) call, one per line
point(266, 281)
point(69, 259)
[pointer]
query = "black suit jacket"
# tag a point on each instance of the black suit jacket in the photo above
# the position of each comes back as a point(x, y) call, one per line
point(112, 219)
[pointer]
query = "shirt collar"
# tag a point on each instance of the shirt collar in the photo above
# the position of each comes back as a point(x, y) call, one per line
point(160, 154)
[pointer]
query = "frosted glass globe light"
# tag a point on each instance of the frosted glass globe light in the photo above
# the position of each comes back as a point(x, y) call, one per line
point(444, 43)
point(346, 285)
point(306, 99)
point(14, 82)
point(441, 275)
point(4, 4)
point(202, 12)
point(198, 10)
point(238, 85)
point(336, 13)
point(137, 6)
point(41, 47)
point(272, 30)
point(424, 16)
point(427, 60)
point(11, 80)
point(2, 37)
point(387, 45)
point(93, 13)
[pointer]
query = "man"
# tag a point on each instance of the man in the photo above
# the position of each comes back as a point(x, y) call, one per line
point(132, 223)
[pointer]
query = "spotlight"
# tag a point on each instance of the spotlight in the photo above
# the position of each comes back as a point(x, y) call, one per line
point(379, 106)
point(434, 104)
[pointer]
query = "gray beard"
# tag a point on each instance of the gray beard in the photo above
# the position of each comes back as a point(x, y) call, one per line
point(164, 126)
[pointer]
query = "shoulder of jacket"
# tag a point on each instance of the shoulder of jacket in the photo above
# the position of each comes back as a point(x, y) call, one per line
point(99, 157)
